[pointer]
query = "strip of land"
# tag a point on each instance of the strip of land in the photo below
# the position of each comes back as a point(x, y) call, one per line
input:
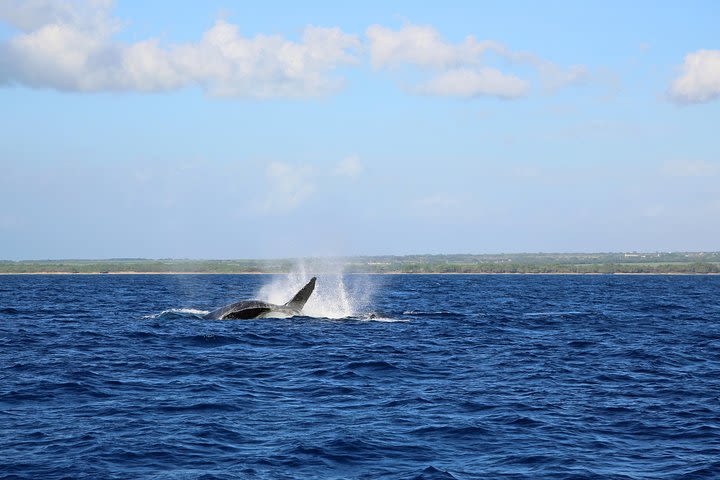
point(514, 263)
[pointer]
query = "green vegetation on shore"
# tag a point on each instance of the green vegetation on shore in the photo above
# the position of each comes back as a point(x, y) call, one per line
point(607, 263)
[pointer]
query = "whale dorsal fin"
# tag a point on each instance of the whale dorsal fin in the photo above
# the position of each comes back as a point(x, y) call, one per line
point(298, 301)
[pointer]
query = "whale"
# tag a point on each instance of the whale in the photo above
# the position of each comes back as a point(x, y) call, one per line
point(248, 309)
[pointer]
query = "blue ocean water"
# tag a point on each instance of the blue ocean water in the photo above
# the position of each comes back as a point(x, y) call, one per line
point(466, 377)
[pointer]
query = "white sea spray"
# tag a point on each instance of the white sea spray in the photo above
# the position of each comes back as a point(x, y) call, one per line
point(336, 294)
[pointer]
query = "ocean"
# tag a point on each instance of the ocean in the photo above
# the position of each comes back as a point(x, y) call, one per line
point(387, 377)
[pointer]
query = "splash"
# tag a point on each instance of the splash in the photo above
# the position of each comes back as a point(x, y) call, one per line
point(335, 296)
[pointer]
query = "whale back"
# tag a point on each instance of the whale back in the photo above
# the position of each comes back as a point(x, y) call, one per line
point(247, 313)
point(240, 310)
point(247, 309)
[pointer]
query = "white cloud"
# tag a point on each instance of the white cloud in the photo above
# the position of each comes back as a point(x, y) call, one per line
point(690, 168)
point(348, 167)
point(28, 15)
point(288, 186)
point(422, 46)
point(74, 46)
point(464, 82)
point(460, 69)
point(554, 77)
point(71, 46)
point(700, 80)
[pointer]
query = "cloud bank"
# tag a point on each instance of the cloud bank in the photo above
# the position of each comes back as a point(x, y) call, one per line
point(73, 47)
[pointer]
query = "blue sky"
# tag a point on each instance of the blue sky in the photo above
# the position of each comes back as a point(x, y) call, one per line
point(218, 130)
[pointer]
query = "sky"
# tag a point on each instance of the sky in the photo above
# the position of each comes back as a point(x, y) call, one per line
point(222, 129)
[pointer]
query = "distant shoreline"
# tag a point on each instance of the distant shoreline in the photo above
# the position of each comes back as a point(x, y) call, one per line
point(668, 263)
point(374, 273)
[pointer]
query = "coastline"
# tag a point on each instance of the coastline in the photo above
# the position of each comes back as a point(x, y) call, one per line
point(366, 273)
point(610, 263)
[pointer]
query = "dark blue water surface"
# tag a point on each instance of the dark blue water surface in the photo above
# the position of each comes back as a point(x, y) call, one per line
point(478, 377)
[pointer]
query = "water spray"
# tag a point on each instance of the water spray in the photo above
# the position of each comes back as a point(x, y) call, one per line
point(334, 297)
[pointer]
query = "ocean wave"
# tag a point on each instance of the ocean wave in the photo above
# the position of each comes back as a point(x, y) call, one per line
point(376, 317)
point(433, 313)
point(173, 313)
point(561, 313)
